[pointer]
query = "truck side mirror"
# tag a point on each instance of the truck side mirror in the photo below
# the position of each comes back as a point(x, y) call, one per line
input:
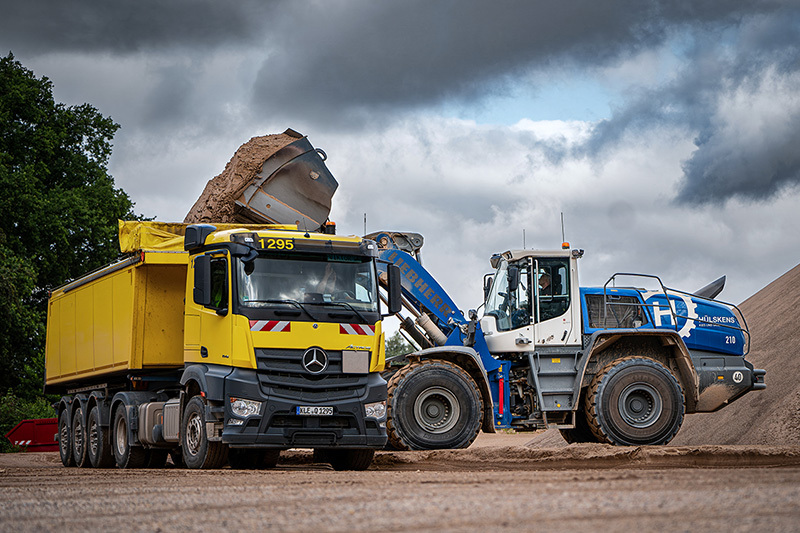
point(394, 289)
point(513, 278)
point(202, 280)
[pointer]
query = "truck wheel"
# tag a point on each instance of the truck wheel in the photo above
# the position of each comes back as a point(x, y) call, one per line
point(65, 439)
point(252, 459)
point(125, 454)
point(79, 439)
point(198, 451)
point(433, 405)
point(581, 432)
point(345, 459)
point(635, 401)
point(98, 443)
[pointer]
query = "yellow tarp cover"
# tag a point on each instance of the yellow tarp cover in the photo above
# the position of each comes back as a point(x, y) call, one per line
point(135, 235)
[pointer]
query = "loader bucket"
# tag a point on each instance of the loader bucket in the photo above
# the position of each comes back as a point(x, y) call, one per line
point(293, 187)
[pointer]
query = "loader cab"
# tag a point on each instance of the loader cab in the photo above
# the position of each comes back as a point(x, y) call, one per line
point(533, 300)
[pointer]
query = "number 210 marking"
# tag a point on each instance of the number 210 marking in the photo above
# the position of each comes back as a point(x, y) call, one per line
point(730, 339)
point(277, 244)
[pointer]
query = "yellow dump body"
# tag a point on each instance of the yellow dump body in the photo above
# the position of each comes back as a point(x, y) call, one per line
point(127, 316)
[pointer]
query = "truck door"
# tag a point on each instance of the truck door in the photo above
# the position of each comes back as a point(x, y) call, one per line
point(553, 323)
point(208, 327)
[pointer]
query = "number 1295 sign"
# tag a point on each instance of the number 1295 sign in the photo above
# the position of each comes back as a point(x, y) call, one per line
point(276, 244)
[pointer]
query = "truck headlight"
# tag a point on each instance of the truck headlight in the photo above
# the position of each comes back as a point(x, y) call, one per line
point(375, 410)
point(243, 408)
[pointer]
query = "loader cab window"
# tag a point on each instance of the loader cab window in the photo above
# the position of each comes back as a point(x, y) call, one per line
point(510, 296)
point(552, 284)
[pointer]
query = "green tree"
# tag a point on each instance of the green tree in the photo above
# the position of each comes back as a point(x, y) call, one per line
point(396, 345)
point(58, 211)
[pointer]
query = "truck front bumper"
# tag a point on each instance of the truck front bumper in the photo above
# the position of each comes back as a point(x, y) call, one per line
point(278, 424)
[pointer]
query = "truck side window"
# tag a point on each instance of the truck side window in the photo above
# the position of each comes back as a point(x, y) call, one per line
point(219, 283)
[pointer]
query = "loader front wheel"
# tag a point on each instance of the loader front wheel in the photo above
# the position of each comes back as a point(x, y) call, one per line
point(635, 401)
point(433, 405)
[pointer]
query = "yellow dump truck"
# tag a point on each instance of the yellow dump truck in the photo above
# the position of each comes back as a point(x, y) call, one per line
point(221, 343)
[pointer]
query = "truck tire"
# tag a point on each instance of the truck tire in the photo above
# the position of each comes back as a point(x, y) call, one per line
point(635, 401)
point(79, 439)
point(198, 451)
point(65, 439)
point(581, 432)
point(98, 446)
point(126, 455)
point(345, 459)
point(433, 405)
point(252, 459)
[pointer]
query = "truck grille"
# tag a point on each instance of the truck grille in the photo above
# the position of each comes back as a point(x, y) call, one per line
point(281, 373)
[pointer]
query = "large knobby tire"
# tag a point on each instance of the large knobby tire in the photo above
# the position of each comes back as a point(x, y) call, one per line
point(635, 401)
point(98, 446)
point(253, 459)
point(198, 451)
point(581, 432)
point(345, 459)
point(433, 405)
point(65, 439)
point(79, 439)
point(126, 454)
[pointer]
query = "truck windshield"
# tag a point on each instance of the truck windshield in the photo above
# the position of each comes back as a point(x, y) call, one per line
point(322, 279)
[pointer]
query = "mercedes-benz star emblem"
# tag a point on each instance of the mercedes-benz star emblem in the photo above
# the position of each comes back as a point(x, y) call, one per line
point(315, 360)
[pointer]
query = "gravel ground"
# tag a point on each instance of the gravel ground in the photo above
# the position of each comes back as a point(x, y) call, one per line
point(498, 484)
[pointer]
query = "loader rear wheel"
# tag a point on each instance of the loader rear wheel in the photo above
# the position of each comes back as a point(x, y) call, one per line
point(126, 454)
point(433, 405)
point(635, 401)
point(98, 442)
point(198, 451)
point(344, 459)
point(65, 439)
point(79, 439)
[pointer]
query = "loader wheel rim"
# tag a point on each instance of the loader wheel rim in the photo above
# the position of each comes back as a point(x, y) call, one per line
point(640, 405)
point(194, 434)
point(437, 410)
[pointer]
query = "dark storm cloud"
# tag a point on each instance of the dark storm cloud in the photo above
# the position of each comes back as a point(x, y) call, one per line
point(41, 26)
point(753, 155)
point(361, 56)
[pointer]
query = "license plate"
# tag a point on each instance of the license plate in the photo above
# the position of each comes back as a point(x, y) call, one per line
point(314, 410)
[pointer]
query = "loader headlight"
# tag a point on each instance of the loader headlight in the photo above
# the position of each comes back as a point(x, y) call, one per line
point(375, 410)
point(243, 408)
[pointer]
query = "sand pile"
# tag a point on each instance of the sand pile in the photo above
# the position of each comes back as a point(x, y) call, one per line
point(771, 416)
point(216, 204)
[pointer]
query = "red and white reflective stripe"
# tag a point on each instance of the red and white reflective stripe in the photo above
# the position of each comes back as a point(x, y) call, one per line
point(356, 329)
point(270, 325)
point(22, 442)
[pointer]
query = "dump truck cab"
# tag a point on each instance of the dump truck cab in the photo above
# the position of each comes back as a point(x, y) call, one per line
point(288, 323)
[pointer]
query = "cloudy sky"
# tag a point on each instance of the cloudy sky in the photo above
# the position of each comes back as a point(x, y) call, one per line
point(667, 133)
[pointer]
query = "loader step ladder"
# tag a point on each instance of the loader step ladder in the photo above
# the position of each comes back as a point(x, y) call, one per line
point(554, 375)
